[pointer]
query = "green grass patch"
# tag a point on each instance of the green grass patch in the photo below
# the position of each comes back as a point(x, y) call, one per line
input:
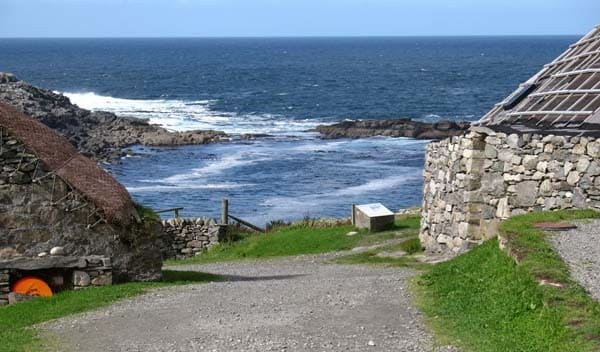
point(146, 214)
point(371, 257)
point(16, 321)
point(300, 239)
point(406, 228)
point(411, 245)
point(284, 241)
point(483, 301)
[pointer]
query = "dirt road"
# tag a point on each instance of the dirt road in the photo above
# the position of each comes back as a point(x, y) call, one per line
point(291, 304)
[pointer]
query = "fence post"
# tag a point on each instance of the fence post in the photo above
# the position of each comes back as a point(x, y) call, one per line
point(353, 214)
point(224, 211)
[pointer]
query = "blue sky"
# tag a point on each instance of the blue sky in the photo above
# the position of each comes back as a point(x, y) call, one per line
point(208, 18)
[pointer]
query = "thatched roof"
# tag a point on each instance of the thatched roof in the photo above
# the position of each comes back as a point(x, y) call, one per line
point(79, 172)
point(564, 97)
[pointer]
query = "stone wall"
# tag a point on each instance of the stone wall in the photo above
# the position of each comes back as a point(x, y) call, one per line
point(39, 211)
point(4, 286)
point(182, 238)
point(59, 272)
point(472, 182)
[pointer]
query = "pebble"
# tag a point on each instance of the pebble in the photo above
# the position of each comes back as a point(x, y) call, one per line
point(57, 251)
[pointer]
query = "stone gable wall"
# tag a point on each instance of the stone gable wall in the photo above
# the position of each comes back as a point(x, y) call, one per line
point(472, 182)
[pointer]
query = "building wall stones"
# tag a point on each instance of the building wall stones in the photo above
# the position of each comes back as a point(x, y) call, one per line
point(473, 181)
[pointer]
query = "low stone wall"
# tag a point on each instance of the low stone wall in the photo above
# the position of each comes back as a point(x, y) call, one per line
point(98, 272)
point(185, 237)
point(4, 286)
point(60, 272)
point(472, 182)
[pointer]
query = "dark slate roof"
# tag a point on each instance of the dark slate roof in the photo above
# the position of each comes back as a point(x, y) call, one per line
point(564, 97)
point(79, 172)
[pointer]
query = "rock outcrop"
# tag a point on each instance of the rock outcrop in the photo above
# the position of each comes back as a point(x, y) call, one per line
point(392, 128)
point(97, 134)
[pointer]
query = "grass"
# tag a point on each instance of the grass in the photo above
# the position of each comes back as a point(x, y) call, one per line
point(406, 228)
point(300, 239)
point(483, 301)
point(16, 321)
point(285, 241)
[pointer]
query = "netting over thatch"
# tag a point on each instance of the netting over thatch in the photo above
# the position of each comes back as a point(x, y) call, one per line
point(79, 172)
point(563, 97)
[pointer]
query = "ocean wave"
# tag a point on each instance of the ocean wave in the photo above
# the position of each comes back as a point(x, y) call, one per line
point(331, 197)
point(183, 115)
point(317, 203)
point(213, 168)
point(184, 186)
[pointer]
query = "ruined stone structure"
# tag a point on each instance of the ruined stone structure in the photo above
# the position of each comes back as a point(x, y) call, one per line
point(536, 150)
point(52, 196)
point(182, 238)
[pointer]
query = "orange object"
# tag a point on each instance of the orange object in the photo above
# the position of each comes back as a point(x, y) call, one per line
point(32, 286)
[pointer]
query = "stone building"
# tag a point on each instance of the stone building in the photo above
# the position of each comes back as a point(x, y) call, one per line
point(538, 149)
point(53, 197)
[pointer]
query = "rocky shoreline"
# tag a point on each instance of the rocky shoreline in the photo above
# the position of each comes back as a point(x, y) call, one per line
point(105, 136)
point(403, 127)
point(97, 134)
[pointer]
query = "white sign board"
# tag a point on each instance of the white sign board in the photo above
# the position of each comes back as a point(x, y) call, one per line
point(374, 210)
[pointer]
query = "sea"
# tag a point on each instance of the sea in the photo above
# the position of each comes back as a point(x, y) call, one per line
point(282, 87)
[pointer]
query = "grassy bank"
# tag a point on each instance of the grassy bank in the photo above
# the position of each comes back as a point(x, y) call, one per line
point(483, 301)
point(16, 321)
point(297, 240)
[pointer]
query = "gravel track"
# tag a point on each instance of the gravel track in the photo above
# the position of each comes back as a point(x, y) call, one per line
point(580, 249)
point(291, 304)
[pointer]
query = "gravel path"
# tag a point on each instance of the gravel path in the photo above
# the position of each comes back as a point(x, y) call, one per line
point(580, 249)
point(292, 304)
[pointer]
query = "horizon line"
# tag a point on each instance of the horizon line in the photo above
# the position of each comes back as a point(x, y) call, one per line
point(307, 36)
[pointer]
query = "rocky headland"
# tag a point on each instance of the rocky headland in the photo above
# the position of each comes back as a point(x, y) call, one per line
point(392, 128)
point(97, 134)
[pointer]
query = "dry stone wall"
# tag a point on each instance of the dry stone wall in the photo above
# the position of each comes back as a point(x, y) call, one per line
point(4, 286)
point(187, 237)
point(472, 182)
point(60, 272)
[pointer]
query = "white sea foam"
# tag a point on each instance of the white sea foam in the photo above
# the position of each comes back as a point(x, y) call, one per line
point(184, 186)
point(331, 197)
point(315, 204)
point(213, 168)
point(181, 115)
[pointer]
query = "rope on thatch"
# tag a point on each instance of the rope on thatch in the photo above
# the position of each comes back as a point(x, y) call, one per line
point(59, 156)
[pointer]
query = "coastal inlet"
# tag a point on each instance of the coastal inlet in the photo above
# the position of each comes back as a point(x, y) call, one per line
point(277, 178)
